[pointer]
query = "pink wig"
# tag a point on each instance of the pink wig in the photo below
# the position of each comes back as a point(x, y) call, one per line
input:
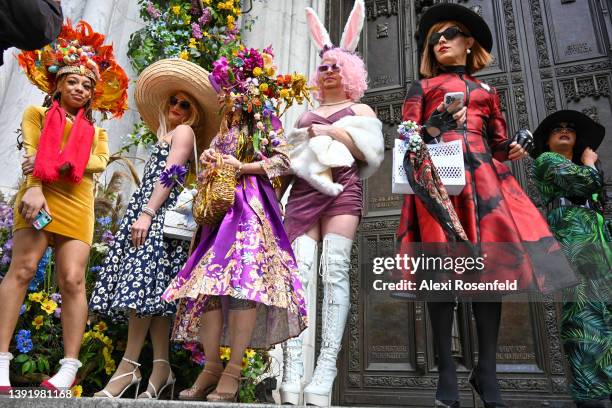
point(352, 71)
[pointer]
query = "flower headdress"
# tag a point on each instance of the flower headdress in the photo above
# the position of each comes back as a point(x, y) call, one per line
point(350, 35)
point(79, 50)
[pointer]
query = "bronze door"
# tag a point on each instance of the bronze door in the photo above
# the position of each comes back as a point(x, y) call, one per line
point(549, 55)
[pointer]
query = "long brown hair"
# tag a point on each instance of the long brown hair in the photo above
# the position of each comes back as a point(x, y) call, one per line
point(478, 59)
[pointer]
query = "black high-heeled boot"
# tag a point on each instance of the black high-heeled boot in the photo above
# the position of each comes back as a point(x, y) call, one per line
point(476, 387)
point(441, 317)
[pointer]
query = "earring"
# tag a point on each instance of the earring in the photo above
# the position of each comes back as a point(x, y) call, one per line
point(469, 51)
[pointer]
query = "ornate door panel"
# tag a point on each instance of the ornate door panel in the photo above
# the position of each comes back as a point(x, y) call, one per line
point(548, 55)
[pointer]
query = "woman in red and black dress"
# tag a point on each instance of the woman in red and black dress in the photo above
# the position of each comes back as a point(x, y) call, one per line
point(496, 215)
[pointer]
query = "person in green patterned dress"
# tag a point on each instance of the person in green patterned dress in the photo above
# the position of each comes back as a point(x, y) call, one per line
point(572, 187)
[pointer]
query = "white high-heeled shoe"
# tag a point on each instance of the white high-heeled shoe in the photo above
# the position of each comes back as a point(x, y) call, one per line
point(135, 381)
point(169, 383)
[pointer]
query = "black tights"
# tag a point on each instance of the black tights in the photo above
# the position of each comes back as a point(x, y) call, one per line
point(487, 316)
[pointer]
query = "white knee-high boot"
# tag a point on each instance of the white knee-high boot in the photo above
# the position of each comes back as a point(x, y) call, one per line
point(5, 361)
point(335, 263)
point(305, 250)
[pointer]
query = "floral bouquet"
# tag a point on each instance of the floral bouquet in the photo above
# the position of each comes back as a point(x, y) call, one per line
point(254, 93)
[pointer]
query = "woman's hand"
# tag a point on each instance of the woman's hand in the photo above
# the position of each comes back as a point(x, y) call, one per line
point(208, 156)
point(446, 118)
point(27, 165)
point(31, 203)
point(232, 161)
point(320, 130)
point(589, 157)
point(517, 151)
point(140, 229)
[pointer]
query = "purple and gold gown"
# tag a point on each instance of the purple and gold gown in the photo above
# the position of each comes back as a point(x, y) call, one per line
point(247, 256)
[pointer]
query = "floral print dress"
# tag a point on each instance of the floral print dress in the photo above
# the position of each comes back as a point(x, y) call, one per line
point(134, 278)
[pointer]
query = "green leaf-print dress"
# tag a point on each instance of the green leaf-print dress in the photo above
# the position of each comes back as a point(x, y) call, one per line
point(586, 321)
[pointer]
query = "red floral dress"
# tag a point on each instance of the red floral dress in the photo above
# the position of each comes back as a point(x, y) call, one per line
point(502, 224)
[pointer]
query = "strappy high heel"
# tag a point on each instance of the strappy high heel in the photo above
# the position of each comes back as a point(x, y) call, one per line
point(227, 396)
point(170, 381)
point(196, 393)
point(473, 381)
point(135, 381)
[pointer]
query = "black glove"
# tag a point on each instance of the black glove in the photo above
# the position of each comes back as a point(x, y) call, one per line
point(525, 139)
point(443, 121)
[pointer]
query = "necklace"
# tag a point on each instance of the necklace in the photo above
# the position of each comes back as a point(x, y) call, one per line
point(70, 116)
point(334, 103)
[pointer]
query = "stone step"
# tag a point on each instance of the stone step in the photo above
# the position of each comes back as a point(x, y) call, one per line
point(7, 402)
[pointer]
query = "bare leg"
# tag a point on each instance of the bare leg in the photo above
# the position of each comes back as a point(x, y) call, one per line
point(242, 319)
point(137, 332)
point(211, 327)
point(71, 257)
point(29, 246)
point(160, 338)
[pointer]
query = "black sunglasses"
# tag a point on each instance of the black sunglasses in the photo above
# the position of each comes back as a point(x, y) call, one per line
point(560, 127)
point(184, 105)
point(449, 34)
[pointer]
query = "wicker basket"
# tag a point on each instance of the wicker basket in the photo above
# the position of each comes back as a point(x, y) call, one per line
point(215, 194)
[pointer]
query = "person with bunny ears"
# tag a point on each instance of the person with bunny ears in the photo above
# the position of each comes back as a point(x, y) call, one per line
point(315, 212)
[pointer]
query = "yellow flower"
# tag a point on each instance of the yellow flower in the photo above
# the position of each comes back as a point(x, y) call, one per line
point(206, 2)
point(263, 87)
point(231, 26)
point(250, 353)
point(176, 10)
point(207, 35)
point(237, 11)
point(38, 322)
point(184, 55)
point(101, 326)
point(109, 363)
point(77, 391)
point(48, 306)
point(193, 43)
point(257, 71)
point(230, 19)
point(36, 297)
point(284, 93)
point(245, 363)
point(229, 3)
point(225, 353)
point(270, 71)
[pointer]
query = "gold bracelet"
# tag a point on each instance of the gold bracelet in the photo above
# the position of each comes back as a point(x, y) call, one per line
point(240, 170)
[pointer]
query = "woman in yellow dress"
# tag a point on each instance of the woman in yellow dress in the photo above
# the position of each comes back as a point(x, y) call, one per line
point(64, 150)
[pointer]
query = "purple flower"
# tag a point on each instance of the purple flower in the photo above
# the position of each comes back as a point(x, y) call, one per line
point(8, 245)
point(108, 237)
point(175, 174)
point(268, 50)
point(198, 357)
point(252, 58)
point(214, 83)
point(57, 313)
point(23, 340)
point(104, 221)
point(5, 259)
point(56, 297)
point(221, 73)
point(22, 309)
point(206, 17)
point(196, 31)
point(153, 11)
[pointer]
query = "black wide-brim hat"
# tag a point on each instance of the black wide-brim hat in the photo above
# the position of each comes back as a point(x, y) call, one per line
point(454, 12)
point(588, 132)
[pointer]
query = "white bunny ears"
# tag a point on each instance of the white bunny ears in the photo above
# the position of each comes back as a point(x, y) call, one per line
point(350, 35)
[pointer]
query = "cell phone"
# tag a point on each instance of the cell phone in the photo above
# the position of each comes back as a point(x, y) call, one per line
point(42, 219)
point(452, 97)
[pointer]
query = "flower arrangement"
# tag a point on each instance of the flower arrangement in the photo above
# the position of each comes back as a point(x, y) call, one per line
point(196, 30)
point(410, 132)
point(258, 96)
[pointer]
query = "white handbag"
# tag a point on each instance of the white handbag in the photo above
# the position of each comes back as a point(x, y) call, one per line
point(178, 220)
point(448, 159)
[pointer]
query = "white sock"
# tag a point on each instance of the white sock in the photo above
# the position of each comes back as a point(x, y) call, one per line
point(66, 374)
point(5, 360)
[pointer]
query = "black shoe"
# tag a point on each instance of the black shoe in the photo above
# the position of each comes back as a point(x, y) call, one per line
point(447, 404)
point(476, 386)
point(590, 404)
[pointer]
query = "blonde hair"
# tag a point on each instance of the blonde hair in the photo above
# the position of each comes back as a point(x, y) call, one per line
point(164, 108)
point(478, 59)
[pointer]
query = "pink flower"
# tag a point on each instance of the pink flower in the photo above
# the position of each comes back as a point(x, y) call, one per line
point(196, 31)
point(153, 11)
point(206, 17)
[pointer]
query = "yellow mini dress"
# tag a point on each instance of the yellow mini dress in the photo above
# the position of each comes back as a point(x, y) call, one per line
point(71, 205)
